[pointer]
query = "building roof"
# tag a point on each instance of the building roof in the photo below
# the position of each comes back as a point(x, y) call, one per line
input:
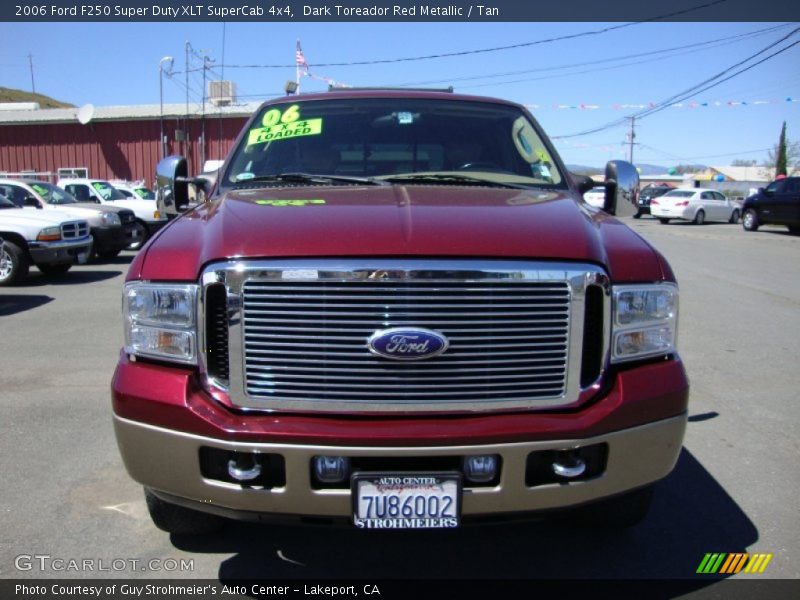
point(125, 113)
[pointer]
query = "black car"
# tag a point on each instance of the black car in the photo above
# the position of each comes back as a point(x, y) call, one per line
point(647, 195)
point(776, 204)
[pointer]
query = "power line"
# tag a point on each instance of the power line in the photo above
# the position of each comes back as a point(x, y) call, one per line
point(492, 49)
point(695, 89)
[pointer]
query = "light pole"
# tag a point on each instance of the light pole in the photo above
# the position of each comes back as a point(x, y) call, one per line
point(168, 59)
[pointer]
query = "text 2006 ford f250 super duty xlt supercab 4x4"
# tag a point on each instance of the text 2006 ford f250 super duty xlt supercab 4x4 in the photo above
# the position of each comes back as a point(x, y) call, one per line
point(395, 309)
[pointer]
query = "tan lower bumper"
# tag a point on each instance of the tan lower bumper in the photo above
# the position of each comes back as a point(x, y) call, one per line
point(167, 461)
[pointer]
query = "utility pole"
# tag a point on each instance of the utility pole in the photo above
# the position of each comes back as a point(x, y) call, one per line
point(206, 61)
point(30, 62)
point(186, 118)
point(631, 137)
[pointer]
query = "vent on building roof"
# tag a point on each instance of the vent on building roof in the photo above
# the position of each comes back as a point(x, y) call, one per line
point(221, 93)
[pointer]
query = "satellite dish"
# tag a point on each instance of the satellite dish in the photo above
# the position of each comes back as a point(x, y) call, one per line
point(85, 114)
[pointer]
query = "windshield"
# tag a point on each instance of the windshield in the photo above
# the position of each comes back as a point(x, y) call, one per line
point(107, 191)
point(391, 137)
point(143, 192)
point(52, 194)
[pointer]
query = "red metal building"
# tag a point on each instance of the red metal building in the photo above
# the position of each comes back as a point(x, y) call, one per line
point(118, 142)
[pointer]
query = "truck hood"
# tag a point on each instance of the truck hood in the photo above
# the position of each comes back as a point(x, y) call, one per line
point(73, 211)
point(396, 221)
point(45, 217)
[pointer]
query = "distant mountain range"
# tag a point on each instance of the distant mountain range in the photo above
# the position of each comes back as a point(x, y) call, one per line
point(644, 169)
point(12, 95)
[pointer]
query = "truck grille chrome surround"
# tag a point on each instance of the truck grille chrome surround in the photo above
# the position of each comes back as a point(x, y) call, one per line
point(298, 333)
point(74, 230)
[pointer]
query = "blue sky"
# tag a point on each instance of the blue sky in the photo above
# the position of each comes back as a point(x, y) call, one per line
point(117, 64)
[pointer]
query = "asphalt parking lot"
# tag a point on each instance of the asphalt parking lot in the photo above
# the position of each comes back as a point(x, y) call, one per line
point(66, 495)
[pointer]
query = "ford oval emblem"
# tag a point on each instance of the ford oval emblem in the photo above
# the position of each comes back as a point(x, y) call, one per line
point(407, 343)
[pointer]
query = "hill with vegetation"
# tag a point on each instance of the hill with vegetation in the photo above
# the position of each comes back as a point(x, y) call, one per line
point(12, 95)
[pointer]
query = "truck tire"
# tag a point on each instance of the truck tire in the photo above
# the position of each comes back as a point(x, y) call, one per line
point(179, 520)
point(663, 220)
point(53, 270)
point(619, 512)
point(750, 220)
point(14, 264)
point(637, 215)
point(143, 234)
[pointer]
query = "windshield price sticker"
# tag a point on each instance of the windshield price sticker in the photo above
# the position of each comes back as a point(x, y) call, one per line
point(281, 131)
point(406, 501)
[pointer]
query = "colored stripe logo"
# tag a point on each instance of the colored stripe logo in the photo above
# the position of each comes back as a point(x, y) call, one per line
point(724, 563)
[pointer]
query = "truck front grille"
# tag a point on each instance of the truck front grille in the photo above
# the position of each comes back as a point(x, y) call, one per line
point(298, 335)
point(74, 230)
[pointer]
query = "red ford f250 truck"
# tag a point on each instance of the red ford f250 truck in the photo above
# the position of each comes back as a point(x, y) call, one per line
point(395, 309)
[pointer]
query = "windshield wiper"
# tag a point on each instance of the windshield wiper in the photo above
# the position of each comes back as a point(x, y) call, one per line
point(308, 178)
point(455, 179)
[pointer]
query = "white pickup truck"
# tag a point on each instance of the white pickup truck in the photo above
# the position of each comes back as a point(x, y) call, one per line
point(51, 240)
point(148, 218)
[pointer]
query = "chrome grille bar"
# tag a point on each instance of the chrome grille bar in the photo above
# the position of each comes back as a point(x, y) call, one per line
point(298, 333)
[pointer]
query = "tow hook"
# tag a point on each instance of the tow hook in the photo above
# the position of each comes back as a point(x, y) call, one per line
point(244, 467)
point(568, 466)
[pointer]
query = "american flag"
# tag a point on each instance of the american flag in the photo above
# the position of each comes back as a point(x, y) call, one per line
point(299, 59)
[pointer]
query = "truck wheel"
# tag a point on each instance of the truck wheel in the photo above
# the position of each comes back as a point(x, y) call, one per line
point(14, 264)
point(663, 221)
point(179, 520)
point(637, 215)
point(795, 229)
point(619, 512)
point(734, 217)
point(699, 217)
point(54, 269)
point(142, 233)
point(750, 220)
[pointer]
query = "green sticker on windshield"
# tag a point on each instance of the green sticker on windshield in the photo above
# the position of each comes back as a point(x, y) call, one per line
point(39, 189)
point(282, 131)
point(290, 202)
point(541, 154)
point(98, 186)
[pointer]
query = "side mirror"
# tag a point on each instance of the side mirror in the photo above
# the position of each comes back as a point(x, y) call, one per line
point(583, 182)
point(31, 201)
point(622, 187)
point(172, 190)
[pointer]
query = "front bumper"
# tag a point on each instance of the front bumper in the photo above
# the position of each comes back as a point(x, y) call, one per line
point(58, 253)
point(113, 238)
point(162, 422)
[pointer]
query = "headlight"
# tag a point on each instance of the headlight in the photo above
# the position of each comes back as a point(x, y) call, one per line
point(645, 321)
point(160, 321)
point(110, 219)
point(49, 234)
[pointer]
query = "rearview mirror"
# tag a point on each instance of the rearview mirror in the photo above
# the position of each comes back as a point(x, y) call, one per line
point(622, 187)
point(172, 190)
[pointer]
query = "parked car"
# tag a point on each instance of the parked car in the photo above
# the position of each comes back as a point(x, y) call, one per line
point(776, 204)
point(694, 204)
point(363, 324)
point(51, 240)
point(646, 196)
point(596, 196)
point(132, 189)
point(113, 227)
point(148, 218)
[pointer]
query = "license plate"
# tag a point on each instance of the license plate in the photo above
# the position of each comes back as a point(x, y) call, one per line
point(406, 500)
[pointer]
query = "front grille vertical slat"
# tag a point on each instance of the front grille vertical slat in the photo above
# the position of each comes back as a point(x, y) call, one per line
point(593, 336)
point(527, 320)
point(217, 359)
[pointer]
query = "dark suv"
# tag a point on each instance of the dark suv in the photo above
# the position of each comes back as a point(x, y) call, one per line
point(776, 204)
point(647, 195)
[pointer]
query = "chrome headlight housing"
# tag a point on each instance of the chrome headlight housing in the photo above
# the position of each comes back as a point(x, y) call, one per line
point(645, 321)
point(161, 321)
point(110, 219)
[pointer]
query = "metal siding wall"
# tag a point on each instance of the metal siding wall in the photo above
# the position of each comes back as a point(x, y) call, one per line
point(111, 149)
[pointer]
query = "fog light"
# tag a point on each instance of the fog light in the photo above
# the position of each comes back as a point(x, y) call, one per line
point(480, 469)
point(331, 469)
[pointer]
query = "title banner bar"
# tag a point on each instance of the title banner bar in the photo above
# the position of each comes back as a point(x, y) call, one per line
point(400, 10)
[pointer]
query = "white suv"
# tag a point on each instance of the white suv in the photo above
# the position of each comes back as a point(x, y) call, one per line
point(52, 240)
point(148, 218)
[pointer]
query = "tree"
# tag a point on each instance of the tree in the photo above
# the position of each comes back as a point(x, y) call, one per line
point(785, 156)
point(780, 163)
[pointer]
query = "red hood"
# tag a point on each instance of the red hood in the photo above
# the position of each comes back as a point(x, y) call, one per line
point(420, 221)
